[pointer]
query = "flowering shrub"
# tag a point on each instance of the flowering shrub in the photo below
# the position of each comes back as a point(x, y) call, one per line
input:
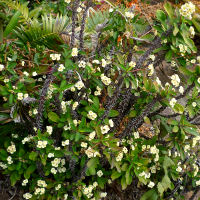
point(92, 112)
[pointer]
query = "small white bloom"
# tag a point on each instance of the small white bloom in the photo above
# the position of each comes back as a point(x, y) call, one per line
point(34, 74)
point(1, 67)
point(50, 155)
point(49, 129)
point(74, 52)
point(172, 102)
point(136, 135)
point(61, 67)
point(132, 64)
point(151, 184)
point(181, 89)
point(99, 173)
point(20, 96)
point(65, 143)
point(79, 85)
point(111, 123)
point(194, 104)
point(105, 129)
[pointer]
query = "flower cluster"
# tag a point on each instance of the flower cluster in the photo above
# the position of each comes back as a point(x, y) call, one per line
point(187, 10)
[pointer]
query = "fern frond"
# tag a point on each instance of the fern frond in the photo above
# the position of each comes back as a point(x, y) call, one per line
point(46, 33)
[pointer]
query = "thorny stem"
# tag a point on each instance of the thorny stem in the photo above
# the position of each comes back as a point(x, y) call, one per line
point(83, 24)
point(156, 44)
point(112, 102)
point(137, 122)
point(74, 14)
point(42, 99)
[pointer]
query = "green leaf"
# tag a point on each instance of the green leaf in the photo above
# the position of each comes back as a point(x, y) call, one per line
point(168, 55)
point(123, 183)
point(169, 9)
point(33, 155)
point(191, 130)
point(29, 171)
point(12, 23)
point(92, 165)
point(128, 177)
point(150, 195)
point(15, 176)
point(161, 16)
point(115, 175)
point(113, 113)
point(175, 129)
point(53, 116)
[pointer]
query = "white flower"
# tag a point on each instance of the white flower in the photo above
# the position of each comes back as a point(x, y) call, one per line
point(99, 173)
point(20, 96)
point(58, 187)
point(132, 64)
point(92, 135)
point(181, 89)
point(91, 115)
point(84, 144)
point(53, 171)
point(34, 74)
point(103, 194)
point(50, 155)
point(26, 73)
point(25, 96)
point(119, 157)
point(125, 150)
point(187, 10)
point(75, 105)
point(175, 80)
point(55, 162)
point(104, 63)
point(35, 112)
point(192, 32)
point(105, 129)
point(111, 123)
point(151, 68)
point(136, 135)
point(154, 150)
point(129, 15)
point(6, 80)
point(49, 129)
point(105, 79)
point(1, 67)
point(11, 149)
point(198, 183)
point(65, 143)
point(79, 85)
point(179, 169)
point(67, 1)
point(61, 67)
point(24, 182)
point(96, 62)
point(27, 196)
point(9, 159)
point(65, 196)
point(79, 9)
point(74, 52)
point(82, 64)
point(111, 10)
point(194, 104)
point(55, 56)
point(193, 61)
point(152, 57)
point(151, 184)
point(172, 102)
point(41, 183)
point(42, 144)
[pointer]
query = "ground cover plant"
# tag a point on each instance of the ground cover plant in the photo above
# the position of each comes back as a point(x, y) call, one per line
point(85, 112)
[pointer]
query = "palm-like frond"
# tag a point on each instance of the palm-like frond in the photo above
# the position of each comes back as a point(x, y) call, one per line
point(46, 33)
point(15, 5)
point(95, 19)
